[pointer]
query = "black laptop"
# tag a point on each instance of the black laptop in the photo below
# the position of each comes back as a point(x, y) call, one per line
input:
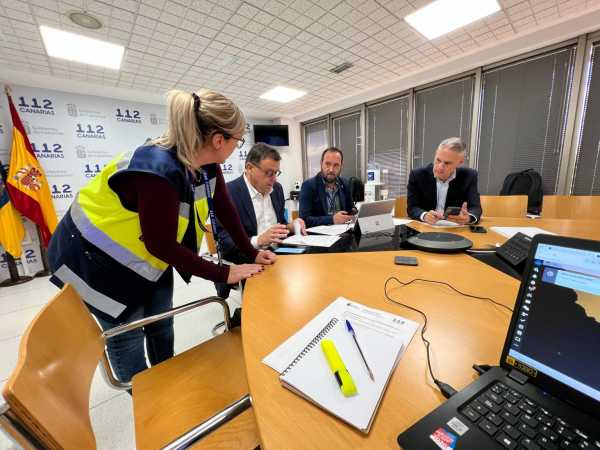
point(546, 392)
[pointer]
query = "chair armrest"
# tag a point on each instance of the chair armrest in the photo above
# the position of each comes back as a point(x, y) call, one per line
point(215, 259)
point(126, 385)
point(170, 313)
point(211, 424)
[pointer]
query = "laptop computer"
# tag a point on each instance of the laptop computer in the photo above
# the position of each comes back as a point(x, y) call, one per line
point(376, 217)
point(546, 392)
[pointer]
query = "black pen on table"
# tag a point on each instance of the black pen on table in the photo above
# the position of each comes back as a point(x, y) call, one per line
point(353, 333)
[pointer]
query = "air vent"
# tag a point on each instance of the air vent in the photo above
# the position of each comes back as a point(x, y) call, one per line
point(340, 68)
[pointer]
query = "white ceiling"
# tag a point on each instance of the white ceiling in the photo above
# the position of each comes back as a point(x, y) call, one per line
point(244, 48)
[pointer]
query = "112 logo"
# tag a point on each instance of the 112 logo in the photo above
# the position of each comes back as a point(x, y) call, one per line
point(61, 191)
point(91, 170)
point(127, 115)
point(90, 131)
point(48, 151)
point(43, 106)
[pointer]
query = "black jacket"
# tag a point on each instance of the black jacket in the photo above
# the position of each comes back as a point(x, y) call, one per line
point(422, 191)
point(313, 201)
point(238, 191)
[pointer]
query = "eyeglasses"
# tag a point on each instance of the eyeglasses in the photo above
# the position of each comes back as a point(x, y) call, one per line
point(269, 173)
point(240, 143)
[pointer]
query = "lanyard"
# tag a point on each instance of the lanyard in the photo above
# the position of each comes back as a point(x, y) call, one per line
point(211, 213)
point(331, 198)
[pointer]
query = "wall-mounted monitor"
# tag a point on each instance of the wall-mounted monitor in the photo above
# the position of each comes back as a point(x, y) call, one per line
point(276, 135)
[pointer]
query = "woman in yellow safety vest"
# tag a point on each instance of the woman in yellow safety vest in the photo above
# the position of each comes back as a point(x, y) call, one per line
point(144, 215)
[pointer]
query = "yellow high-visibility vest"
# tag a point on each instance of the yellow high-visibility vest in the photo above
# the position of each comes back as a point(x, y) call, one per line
point(102, 220)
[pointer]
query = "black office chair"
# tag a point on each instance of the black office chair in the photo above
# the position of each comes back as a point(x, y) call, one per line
point(357, 189)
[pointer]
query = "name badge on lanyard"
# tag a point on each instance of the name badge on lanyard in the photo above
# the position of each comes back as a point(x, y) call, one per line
point(211, 212)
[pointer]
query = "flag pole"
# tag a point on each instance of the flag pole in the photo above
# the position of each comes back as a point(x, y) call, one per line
point(15, 278)
point(44, 255)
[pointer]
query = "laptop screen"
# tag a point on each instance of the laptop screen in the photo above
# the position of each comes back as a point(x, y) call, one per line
point(557, 331)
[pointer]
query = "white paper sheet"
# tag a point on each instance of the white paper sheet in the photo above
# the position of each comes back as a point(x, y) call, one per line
point(444, 224)
point(331, 230)
point(398, 221)
point(509, 232)
point(312, 240)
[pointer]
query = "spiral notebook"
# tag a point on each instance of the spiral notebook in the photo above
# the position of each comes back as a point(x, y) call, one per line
point(303, 368)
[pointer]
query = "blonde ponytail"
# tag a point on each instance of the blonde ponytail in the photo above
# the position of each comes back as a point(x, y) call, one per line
point(215, 113)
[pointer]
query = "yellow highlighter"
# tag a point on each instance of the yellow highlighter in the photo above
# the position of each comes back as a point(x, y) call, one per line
point(338, 368)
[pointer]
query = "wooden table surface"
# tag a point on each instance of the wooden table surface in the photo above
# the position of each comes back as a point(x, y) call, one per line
point(589, 229)
point(462, 331)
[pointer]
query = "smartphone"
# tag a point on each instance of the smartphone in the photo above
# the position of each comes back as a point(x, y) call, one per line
point(406, 261)
point(452, 211)
point(477, 229)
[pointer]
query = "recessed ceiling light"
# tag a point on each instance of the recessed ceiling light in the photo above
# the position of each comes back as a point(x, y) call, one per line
point(282, 94)
point(442, 16)
point(84, 19)
point(83, 49)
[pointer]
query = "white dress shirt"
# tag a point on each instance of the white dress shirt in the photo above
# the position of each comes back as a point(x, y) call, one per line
point(263, 211)
point(442, 194)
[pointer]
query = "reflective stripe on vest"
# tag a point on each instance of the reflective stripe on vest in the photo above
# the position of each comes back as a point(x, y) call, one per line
point(89, 295)
point(102, 220)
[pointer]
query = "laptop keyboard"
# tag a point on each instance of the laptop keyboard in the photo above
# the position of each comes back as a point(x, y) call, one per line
point(517, 422)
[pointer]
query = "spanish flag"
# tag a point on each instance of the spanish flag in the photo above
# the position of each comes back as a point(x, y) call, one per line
point(12, 231)
point(27, 183)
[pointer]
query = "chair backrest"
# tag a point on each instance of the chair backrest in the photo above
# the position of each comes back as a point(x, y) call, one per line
point(571, 207)
point(557, 207)
point(357, 189)
point(400, 207)
point(586, 207)
point(504, 205)
point(48, 392)
point(210, 240)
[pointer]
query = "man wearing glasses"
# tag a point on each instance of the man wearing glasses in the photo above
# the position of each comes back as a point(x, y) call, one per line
point(260, 202)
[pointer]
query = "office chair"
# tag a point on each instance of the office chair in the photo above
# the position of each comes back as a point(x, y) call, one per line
point(357, 189)
point(47, 394)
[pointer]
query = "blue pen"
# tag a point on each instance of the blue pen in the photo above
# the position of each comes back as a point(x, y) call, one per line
point(353, 333)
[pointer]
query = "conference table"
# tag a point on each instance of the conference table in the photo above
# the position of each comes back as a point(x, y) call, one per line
point(462, 330)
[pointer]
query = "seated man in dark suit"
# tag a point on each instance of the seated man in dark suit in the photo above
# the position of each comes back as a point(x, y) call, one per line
point(260, 202)
point(325, 199)
point(444, 183)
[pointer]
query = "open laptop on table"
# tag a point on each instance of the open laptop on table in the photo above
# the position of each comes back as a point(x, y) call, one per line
point(546, 392)
point(376, 217)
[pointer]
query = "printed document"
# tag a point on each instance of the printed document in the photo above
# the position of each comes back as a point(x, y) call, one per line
point(312, 240)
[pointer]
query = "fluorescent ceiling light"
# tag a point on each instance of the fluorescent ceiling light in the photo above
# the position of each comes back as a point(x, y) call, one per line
point(78, 48)
point(442, 16)
point(282, 94)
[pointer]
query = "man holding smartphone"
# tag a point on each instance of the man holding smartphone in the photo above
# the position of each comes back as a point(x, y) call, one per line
point(444, 189)
point(325, 199)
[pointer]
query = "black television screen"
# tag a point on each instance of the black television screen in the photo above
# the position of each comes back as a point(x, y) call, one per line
point(272, 135)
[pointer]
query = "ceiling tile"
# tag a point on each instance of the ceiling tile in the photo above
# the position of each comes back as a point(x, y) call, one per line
point(246, 47)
